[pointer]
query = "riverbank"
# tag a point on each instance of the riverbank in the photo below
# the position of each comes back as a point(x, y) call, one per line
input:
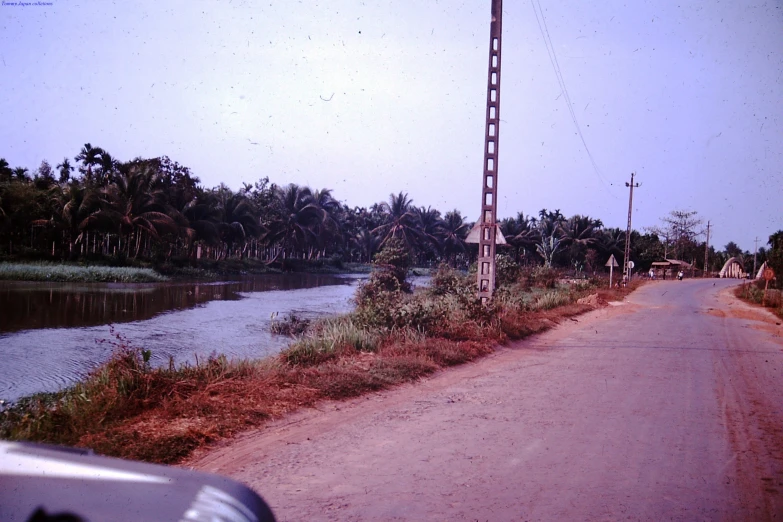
point(77, 274)
point(127, 409)
point(102, 271)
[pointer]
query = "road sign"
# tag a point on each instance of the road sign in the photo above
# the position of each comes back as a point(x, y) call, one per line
point(631, 265)
point(612, 262)
point(769, 274)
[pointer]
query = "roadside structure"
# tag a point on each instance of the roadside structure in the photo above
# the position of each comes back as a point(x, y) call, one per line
point(662, 268)
point(760, 272)
point(733, 269)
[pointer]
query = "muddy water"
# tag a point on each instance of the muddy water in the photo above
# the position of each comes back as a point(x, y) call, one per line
point(53, 333)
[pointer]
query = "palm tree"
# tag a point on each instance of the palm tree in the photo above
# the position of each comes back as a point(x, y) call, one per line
point(6, 173)
point(453, 234)
point(65, 169)
point(400, 220)
point(299, 215)
point(20, 173)
point(132, 207)
point(430, 228)
point(366, 244)
point(108, 167)
point(329, 228)
point(521, 233)
point(578, 234)
point(89, 156)
point(71, 208)
point(203, 220)
point(239, 220)
point(612, 242)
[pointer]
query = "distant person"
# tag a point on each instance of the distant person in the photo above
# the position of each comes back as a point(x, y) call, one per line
point(680, 275)
point(652, 274)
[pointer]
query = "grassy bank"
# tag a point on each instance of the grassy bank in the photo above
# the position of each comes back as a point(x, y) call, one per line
point(127, 409)
point(753, 292)
point(102, 270)
point(79, 274)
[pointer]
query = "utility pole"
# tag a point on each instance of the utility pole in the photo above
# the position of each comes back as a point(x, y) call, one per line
point(706, 250)
point(755, 251)
point(489, 187)
point(626, 260)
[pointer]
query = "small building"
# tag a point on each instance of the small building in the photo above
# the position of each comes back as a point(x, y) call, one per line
point(669, 267)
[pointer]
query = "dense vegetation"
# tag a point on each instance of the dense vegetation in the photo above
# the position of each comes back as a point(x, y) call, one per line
point(127, 408)
point(156, 210)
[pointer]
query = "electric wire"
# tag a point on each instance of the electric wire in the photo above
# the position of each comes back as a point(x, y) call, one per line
point(550, 48)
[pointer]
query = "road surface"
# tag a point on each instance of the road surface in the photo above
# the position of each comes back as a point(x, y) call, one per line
point(666, 407)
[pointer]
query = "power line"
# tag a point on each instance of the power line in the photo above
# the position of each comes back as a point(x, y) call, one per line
point(561, 81)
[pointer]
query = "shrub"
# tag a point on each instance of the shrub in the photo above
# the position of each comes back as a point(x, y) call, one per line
point(291, 325)
point(545, 277)
point(507, 271)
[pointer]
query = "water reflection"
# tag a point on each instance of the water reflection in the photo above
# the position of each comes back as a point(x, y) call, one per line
point(60, 340)
point(25, 306)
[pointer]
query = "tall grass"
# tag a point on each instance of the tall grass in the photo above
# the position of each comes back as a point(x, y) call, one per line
point(80, 274)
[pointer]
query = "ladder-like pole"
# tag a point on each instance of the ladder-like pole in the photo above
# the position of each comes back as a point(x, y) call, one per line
point(489, 187)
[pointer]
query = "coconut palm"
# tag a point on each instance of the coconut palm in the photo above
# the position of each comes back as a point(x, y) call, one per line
point(612, 242)
point(202, 219)
point(430, 231)
point(239, 219)
point(366, 244)
point(329, 226)
point(298, 217)
point(401, 220)
point(132, 207)
point(578, 234)
point(521, 233)
point(453, 233)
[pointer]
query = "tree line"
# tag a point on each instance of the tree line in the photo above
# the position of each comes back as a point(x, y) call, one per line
point(157, 210)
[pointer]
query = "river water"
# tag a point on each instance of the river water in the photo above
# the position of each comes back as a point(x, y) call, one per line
point(51, 334)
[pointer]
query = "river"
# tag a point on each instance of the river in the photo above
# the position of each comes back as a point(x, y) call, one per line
point(51, 334)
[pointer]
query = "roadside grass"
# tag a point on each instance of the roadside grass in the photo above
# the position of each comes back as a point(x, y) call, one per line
point(753, 293)
point(127, 409)
point(80, 274)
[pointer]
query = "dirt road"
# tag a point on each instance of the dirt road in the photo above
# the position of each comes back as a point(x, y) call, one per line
point(667, 407)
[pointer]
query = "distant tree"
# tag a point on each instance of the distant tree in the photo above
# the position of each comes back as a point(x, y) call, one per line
point(20, 173)
point(6, 173)
point(65, 170)
point(679, 230)
point(775, 257)
point(732, 249)
point(400, 220)
point(454, 232)
point(89, 156)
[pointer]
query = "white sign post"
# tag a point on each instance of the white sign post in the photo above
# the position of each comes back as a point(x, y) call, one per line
point(611, 264)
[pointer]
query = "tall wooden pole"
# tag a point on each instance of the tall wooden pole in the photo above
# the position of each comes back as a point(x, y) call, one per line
point(489, 187)
point(706, 251)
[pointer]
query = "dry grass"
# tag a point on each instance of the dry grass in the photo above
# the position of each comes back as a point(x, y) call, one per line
point(127, 409)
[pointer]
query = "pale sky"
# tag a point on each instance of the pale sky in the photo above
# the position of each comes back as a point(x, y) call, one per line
point(373, 97)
